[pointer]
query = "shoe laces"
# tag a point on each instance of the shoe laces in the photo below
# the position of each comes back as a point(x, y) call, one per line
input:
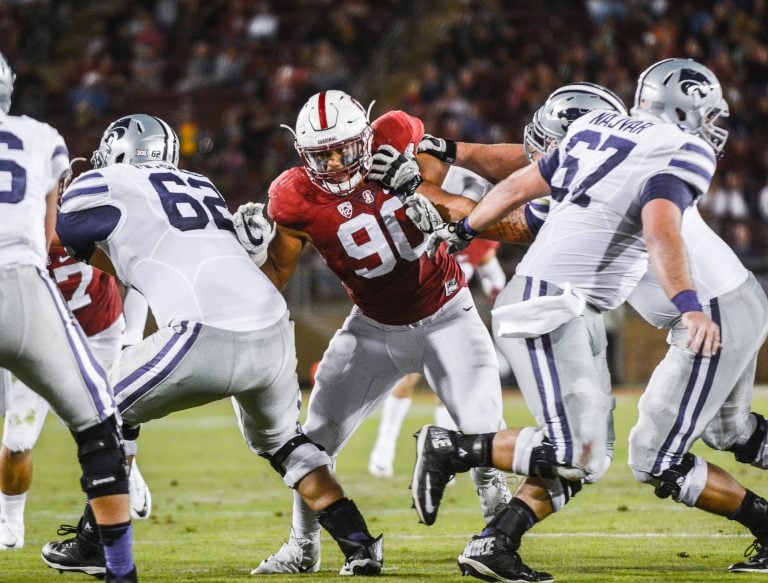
point(756, 549)
point(66, 529)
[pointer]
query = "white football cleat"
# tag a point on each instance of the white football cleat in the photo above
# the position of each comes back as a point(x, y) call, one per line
point(382, 459)
point(298, 555)
point(11, 537)
point(141, 497)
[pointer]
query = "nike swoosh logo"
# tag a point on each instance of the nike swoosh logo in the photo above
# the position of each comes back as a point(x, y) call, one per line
point(467, 309)
point(252, 239)
point(428, 506)
point(141, 512)
point(55, 552)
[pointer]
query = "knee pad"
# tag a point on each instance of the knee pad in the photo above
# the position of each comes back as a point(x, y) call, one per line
point(296, 458)
point(102, 458)
point(684, 481)
point(534, 454)
point(755, 450)
point(561, 491)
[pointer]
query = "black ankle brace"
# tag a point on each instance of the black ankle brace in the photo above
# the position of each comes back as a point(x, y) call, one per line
point(475, 450)
point(514, 521)
point(753, 513)
point(747, 452)
point(342, 519)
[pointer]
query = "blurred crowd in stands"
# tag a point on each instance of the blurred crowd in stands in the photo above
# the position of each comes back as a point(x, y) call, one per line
point(227, 73)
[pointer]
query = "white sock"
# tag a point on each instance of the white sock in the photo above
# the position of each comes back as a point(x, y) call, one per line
point(12, 508)
point(393, 414)
point(443, 418)
point(304, 522)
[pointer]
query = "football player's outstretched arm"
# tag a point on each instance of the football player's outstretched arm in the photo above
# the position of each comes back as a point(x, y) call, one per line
point(508, 195)
point(491, 161)
point(283, 255)
point(661, 231)
point(452, 207)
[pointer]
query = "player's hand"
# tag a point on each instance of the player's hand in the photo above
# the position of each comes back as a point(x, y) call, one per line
point(703, 333)
point(253, 230)
point(450, 233)
point(399, 172)
point(442, 149)
point(423, 213)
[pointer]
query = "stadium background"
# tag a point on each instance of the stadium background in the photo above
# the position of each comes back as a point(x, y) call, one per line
point(226, 74)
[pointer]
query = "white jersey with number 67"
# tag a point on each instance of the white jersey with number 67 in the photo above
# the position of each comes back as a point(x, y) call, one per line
point(592, 238)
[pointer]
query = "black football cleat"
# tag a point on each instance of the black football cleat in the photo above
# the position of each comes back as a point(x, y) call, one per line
point(435, 447)
point(756, 563)
point(82, 553)
point(493, 558)
point(362, 558)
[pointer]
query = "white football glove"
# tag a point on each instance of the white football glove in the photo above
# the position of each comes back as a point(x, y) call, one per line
point(395, 171)
point(253, 230)
point(423, 213)
point(454, 235)
point(442, 149)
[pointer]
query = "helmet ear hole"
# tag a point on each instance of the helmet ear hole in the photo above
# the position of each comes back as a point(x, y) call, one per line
point(119, 159)
point(680, 114)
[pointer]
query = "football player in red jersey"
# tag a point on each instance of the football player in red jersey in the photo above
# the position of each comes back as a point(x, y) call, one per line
point(411, 313)
point(94, 298)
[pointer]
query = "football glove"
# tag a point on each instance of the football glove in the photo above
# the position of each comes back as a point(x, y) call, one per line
point(253, 230)
point(399, 172)
point(441, 148)
point(423, 213)
point(457, 235)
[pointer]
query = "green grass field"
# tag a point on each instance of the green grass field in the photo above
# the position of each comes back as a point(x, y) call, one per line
point(219, 510)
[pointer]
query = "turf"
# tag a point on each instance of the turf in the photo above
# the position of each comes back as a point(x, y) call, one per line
point(219, 510)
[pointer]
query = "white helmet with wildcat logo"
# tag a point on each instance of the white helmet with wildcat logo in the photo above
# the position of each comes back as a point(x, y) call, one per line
point(7, 77)
point(684, 92)
point(564, 105)
point(137, 138)
point(333, 136)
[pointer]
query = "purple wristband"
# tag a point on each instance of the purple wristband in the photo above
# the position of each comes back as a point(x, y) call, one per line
point(687, 301)
point(467, 229)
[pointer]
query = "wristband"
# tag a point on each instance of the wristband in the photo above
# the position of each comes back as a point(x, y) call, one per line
point(450, 151)
point(464, 231)
point(687, 301)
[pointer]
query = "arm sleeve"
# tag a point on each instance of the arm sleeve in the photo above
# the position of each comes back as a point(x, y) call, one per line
point(548, 164)
point(669, 187)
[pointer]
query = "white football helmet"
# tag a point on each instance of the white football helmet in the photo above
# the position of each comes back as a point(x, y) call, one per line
point(334, 138)
point(7, 77)
point(137, 138)
point(570, 102)
point(684, 92)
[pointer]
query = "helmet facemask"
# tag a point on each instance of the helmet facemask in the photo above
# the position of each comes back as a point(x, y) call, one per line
point(339, 167)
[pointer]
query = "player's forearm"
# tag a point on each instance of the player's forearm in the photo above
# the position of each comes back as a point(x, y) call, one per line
point(509, 194)
point(670, 263)
point(491, 161)
point(511, 229)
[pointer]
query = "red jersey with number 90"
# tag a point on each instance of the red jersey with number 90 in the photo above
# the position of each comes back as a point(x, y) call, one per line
point(91, 294)
point(366, 238)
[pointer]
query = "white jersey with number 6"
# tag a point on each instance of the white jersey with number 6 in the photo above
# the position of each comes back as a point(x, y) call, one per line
point(33, 157)
point(150, 215)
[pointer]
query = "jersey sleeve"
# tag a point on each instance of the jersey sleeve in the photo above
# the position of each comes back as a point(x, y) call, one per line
point(692, 161)
point(287, 205)
point(89, 190)
point(397, 129)
point(536, 212)
point(59, 158)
